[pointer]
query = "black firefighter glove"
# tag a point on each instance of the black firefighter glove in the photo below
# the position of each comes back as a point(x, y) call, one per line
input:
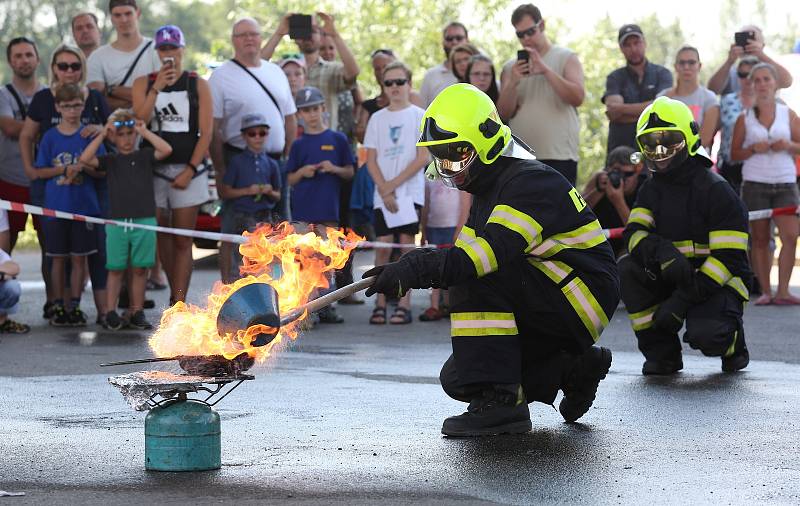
point(672, 312)
point(419, 268)
point(675, 268)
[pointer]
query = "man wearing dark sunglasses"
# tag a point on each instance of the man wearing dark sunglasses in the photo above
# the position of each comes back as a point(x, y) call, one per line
point(540, 92)
point(441, 76)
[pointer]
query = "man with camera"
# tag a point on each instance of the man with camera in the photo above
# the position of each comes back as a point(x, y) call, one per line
point(540, 92)
point(611, 192)
point(749, 40)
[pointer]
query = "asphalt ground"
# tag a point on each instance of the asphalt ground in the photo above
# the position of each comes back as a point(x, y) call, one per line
point(351, 414)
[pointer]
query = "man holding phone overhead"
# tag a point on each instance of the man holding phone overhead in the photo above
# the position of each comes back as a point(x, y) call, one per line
point(749, 40)
point(330, 77)
point(540, 93)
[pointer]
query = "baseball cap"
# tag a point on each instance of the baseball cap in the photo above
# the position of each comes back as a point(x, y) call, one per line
point(292, 59)
point(628, 30)
point(308, 96)
point(253, 120)
point(169, 35)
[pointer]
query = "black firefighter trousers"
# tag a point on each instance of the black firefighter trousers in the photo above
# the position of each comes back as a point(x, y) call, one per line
point(712, 326)
point(515, 326)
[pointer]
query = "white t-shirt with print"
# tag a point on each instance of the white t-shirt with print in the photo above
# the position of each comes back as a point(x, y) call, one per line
point(234, 94)
point(108, 65)
point(394, 135)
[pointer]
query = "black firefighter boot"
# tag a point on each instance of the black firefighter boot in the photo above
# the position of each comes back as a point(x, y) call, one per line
point(581, 383)
point(500, 409)
point(739, 357)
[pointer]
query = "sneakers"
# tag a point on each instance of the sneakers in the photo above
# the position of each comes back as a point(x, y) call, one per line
point(329, 315)
point(113, 321)
point(501, 409)
point(740, 357)
point(48, 310)
point(77, 318)
point(580, 386)
point(139, 321)
point(60, 317)
point(662, 367)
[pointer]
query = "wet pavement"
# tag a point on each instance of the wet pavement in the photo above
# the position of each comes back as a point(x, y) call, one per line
point(352, 413)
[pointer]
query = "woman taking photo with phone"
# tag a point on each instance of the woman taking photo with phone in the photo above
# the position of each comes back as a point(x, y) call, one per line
point(177, 104)
point(766, 139)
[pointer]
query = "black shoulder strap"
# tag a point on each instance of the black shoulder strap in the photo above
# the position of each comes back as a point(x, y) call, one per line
point(260, 84)
point(135, 62)
point(22, 109)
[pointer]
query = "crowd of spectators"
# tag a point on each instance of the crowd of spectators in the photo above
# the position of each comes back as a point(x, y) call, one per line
point(282, 133)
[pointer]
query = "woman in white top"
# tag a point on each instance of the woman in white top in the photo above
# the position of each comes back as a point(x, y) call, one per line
point(700, 100)
point(766, 138)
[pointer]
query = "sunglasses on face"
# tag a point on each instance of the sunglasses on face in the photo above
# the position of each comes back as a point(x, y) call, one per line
point(63, 67)
point(127, 123)
point(743, 75)
point(387, 52)
point(454, 38)
point(394, 82)
point(687, 63)
point(256, 133)
point(529, 32)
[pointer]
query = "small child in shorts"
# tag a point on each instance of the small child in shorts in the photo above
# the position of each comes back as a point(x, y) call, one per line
point(131, 199)
point(252, 182)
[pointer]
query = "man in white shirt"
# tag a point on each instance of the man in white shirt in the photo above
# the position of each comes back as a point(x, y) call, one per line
point(248, 85)
point(113, 67)
point(441, 76)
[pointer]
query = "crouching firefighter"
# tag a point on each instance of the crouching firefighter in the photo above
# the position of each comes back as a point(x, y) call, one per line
point(687, 244)
point(532, 279)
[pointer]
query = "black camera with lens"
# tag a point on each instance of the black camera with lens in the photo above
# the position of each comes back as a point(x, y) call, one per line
point(615, 178)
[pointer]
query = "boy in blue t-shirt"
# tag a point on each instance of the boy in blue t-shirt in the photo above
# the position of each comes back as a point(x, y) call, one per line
point(68, 189)
point(252, 182)
point(318, 162)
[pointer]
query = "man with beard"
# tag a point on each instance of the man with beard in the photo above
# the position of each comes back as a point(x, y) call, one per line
point(15, 97)
point(631, 88)
point(86, 32)
point(533, 280)
point(441, 76)
point(330, 77)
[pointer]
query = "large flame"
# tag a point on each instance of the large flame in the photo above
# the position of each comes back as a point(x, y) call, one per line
point(305, 261)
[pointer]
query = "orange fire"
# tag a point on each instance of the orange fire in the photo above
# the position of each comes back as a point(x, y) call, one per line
point(305, 260)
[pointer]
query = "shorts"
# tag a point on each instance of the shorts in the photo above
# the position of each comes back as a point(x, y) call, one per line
point(168, 197)
point(21, 194)
point(769, 196)
point(65, 238)
point(381, 230)
point(126, 245)
point(440, 235)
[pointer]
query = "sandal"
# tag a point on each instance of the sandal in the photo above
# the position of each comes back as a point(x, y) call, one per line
point(430, 315)
point(791, 300)
point(12, 327)
point(401, 316)
point(378, 316)
point(763, 300)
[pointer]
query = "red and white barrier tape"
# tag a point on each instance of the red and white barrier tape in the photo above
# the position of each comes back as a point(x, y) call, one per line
point(611, 233)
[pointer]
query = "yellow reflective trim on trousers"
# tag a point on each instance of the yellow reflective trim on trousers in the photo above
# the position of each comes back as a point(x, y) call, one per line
point(636, 237)
point(728, 239)
point(701, 250)
point(586, 307)
point(478, 250)
point(732, 347)
point(518, 222)
point(643, 319)
point(738, 286)
point(473, 324)
point(716, 270)
point(642, 216)
point(584, 237)
point(553, 269)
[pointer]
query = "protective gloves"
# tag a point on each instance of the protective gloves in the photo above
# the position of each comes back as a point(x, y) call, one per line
point(674, 266)
point(419, 268)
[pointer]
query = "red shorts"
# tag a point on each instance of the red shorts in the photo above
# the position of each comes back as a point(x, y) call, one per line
point(16, 193)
